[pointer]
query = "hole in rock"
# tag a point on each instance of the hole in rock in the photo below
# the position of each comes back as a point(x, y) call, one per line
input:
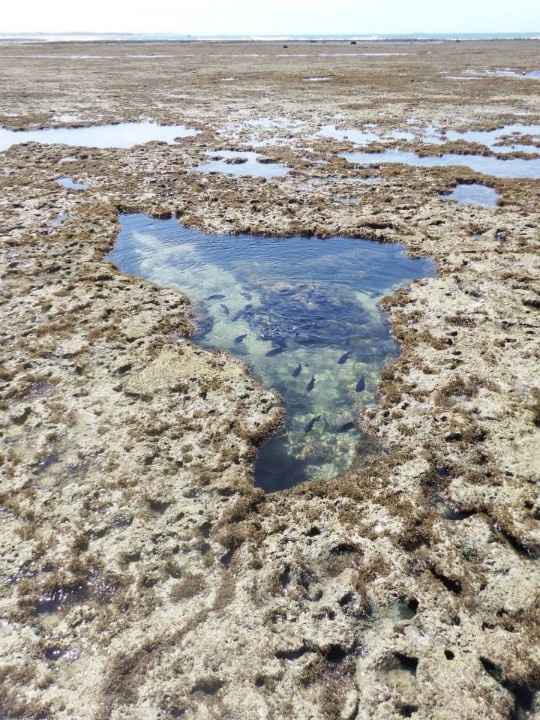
point(408, 710)
point(408, 663)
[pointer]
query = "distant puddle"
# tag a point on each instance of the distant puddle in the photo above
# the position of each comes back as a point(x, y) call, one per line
point(71, 184)
point(511, 168)
point(501, 140)
point(508, 134)
point(242, 164)
point(301, 312)
point(363, 137)
point(317, 79)
point(473, 194)
point(123, 135)
point(532, 75)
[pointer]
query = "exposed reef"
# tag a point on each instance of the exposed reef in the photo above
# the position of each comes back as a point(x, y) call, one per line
point(141, 574)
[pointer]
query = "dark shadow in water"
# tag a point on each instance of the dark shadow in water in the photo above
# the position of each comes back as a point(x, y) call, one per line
point(301, 312)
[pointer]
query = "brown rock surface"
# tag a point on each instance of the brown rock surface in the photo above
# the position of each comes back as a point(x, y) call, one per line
point(141, 575)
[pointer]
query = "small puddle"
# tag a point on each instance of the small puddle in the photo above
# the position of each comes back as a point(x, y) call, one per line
point(122, 135)
point(59, 220)
point(501, 140)
point(242, 164)
point(511, 168)
point(473, 194)
point(301, 312)
point(317, 79)
point(71, 184)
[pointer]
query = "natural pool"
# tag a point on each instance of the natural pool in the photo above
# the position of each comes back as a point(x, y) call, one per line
point(301, 312)
point(70, 184)
point(505, 139)
point(363, 137)
point(238, 163)
point(121, 135)
point(511, 168)
point(473, 194)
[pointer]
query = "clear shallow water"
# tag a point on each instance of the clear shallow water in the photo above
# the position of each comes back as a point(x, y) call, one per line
point(473, 194)
point(511, 168)
point(123, 135)
point(301, 312)
point(242, 164)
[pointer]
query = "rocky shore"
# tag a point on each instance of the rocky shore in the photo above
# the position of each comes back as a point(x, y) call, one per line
point(141, 573)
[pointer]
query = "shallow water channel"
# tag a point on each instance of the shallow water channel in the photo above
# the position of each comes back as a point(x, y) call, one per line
point(301, 312)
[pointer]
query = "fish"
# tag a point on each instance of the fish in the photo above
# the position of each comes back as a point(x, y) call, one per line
point(225, 309)
point(237, 316)
point(311, 384)
point(247, 295)
point(361, 385)
point(297, 370)
point(343, 359)
point(240, 338)
point(216, 297)
point(311, 423)
point(346, 427)
point(275, 351)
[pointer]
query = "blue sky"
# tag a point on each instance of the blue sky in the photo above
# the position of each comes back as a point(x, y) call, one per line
point(270, 16)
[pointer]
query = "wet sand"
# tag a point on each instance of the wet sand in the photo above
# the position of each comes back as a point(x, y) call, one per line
point(142, 575)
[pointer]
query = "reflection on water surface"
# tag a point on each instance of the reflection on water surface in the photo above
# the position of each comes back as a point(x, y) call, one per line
point(301, 312)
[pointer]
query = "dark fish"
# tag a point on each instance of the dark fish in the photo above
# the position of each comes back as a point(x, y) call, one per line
point(225, 309)
point(345, 428)
point(247, 295)
point(297, 370)
point(216, 297)
point(311, 384)
point(275, 351)
point(237, 316)
point(343, 359)
point(361, 385)
point(240, 338)
point(311, 423)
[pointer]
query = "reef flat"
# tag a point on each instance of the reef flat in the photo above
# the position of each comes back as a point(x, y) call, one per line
point(141, 573)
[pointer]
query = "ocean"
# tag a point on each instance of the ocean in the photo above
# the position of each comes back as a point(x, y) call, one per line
point(23, 38)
